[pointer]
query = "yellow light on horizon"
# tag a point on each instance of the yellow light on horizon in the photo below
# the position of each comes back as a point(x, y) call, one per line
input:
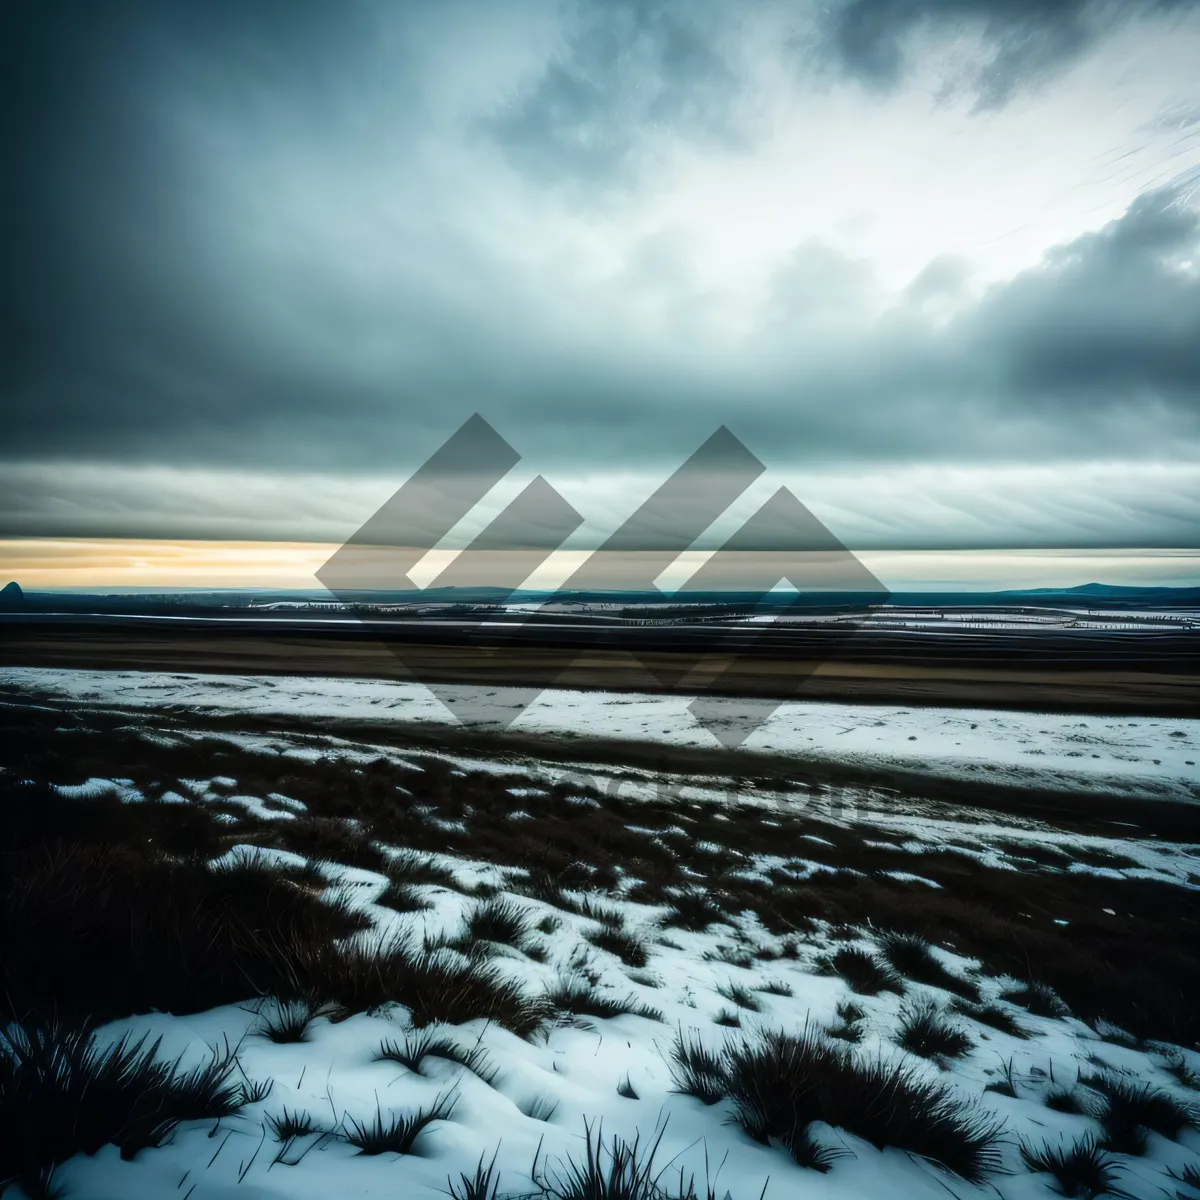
point(117, 564)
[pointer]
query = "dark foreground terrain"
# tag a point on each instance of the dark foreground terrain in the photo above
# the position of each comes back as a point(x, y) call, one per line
point(411, 966)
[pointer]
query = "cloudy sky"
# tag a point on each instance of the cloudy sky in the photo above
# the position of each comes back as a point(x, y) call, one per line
point(935, 262)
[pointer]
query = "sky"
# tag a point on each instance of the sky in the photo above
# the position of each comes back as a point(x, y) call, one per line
point(936, 264)
point(130, 565)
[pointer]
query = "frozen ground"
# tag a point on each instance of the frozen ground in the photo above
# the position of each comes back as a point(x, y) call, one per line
point(577, 1071)
point(794, 880)
point(1126, 756)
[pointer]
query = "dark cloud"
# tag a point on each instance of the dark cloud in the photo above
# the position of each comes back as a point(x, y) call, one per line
point(1024, 40)
point(1112, 318)
point(227, 244)
point(628, 68)
point(1109, 324)
point(115, 302)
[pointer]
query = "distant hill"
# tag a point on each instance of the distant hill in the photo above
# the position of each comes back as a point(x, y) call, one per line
point(1090, 589)
point(1098, 595)
point(248, 601)
point(1106, 594)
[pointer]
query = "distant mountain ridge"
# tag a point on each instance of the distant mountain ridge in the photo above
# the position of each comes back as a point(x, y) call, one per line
point(1099, 589)
point(1088, 595)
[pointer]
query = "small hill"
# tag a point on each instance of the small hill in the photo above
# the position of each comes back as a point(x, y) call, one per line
point(11, 595)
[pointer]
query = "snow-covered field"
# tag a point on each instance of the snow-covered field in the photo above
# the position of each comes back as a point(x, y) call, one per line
point(576, 1072)
point(792, 889)
point(1131, 756)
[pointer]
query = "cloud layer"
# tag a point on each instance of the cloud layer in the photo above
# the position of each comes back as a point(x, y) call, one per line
point(303, 240)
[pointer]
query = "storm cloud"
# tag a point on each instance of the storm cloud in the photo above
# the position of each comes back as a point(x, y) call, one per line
point(1018, 41)
point(308, 240)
